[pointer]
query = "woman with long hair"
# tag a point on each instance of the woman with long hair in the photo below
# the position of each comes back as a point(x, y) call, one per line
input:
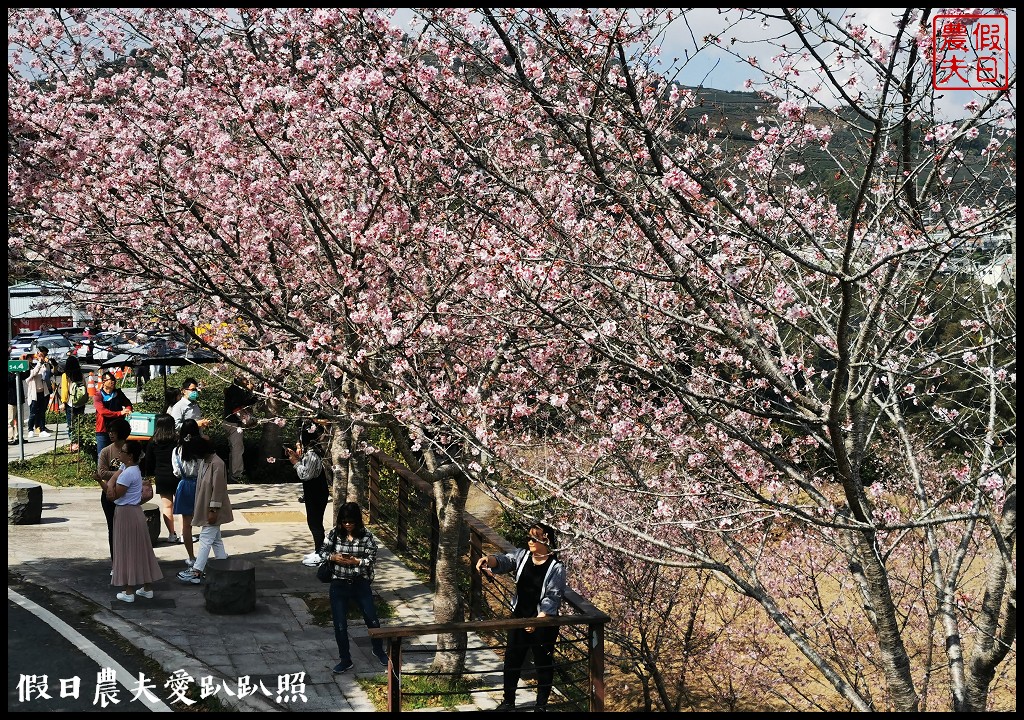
point(158, 463)
point(212, 510)
point(72, 383)
point(186, 460)
point(353, 551)
point(307, 459)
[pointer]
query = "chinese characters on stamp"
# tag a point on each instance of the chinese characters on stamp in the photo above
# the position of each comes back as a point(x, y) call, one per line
point(970, 52)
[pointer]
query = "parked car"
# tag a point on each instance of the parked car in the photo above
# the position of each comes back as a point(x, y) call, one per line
point(21, 344)
point(58, 348)
point(104, 346)
point(68, 331)
point(74, 333)
point(76, 340)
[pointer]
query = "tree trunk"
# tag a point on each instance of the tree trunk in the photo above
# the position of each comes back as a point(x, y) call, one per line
point(997, 622)
point(449, 604)
point(358, 469)
point(895, 661)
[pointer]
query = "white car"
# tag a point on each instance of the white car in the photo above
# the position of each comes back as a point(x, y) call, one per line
point(103, 346)
point(21, 344)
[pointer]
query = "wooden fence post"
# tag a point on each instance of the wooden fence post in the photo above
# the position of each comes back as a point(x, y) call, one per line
point(395, 675)
point(476, 584)
point(373, 491)
point(402, 532)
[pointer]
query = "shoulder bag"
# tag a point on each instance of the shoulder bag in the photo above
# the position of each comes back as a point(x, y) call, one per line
point(147, 490)
point(325, 570)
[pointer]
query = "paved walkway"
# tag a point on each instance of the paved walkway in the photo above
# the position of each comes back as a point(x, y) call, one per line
point(68, 552)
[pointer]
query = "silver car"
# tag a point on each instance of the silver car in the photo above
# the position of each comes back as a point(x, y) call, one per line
point(58, 348)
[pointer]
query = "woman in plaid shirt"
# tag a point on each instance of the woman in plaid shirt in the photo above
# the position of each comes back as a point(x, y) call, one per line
point(353, 550)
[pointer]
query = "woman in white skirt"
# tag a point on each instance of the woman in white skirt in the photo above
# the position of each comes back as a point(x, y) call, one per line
point(134, 561)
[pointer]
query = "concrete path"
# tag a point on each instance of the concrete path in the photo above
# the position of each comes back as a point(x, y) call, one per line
point(68, 553)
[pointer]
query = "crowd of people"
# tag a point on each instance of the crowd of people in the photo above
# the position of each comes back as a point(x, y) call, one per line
point(189, 478)
point(190, 481)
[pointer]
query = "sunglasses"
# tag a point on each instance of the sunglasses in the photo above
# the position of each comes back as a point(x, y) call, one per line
point(543, 539)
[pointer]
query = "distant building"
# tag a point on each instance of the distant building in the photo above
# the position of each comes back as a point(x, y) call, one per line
point(36, 306)
point(990, 243)
point(1002, 270)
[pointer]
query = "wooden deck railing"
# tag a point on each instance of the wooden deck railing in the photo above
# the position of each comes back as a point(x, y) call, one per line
point(580, 619)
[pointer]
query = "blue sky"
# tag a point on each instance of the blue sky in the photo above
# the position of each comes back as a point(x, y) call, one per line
point(716, 69)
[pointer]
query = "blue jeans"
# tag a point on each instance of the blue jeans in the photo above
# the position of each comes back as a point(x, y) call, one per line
point(101, 442)
point(342, 593)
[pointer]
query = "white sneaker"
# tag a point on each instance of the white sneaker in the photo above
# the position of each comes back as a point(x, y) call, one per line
point(174, 538)
point(311, 560)
point(125, 597)
point(43, 434)
point(148, 594)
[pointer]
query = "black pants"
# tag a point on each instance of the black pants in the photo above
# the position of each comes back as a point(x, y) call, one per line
point(108, 510)
point(314, 494)
point(542, 642)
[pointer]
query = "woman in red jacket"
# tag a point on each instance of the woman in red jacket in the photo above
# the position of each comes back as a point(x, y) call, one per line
point(110, 403)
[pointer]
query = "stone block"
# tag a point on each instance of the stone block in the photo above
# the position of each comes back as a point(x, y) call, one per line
point(153, 520)
point(230, 586)
point(24, 503)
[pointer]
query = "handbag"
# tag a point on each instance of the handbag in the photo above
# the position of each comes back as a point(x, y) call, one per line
point(147, 491)
point(325, 570)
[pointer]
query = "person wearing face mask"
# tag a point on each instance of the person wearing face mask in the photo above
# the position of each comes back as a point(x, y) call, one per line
point(37, 391)
point(187, 408)
point(110, 403)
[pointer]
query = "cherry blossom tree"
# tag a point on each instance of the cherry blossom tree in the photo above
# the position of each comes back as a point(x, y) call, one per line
point(751, 349)
point(245, 171)
point(738, 356)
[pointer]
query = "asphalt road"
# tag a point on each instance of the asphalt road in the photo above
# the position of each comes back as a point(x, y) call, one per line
point(59, 660)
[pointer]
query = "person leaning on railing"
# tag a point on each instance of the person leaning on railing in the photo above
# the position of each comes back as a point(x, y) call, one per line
point(540, 587)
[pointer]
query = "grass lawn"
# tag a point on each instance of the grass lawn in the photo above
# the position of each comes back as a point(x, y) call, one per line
point(62, 468)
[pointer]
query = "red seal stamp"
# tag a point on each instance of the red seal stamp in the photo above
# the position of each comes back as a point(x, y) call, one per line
point(970, 52)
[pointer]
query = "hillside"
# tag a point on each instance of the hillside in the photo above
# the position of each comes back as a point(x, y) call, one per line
point(736, 113)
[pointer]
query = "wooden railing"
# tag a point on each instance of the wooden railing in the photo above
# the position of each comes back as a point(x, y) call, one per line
point(408, 483)
point(581, 620)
